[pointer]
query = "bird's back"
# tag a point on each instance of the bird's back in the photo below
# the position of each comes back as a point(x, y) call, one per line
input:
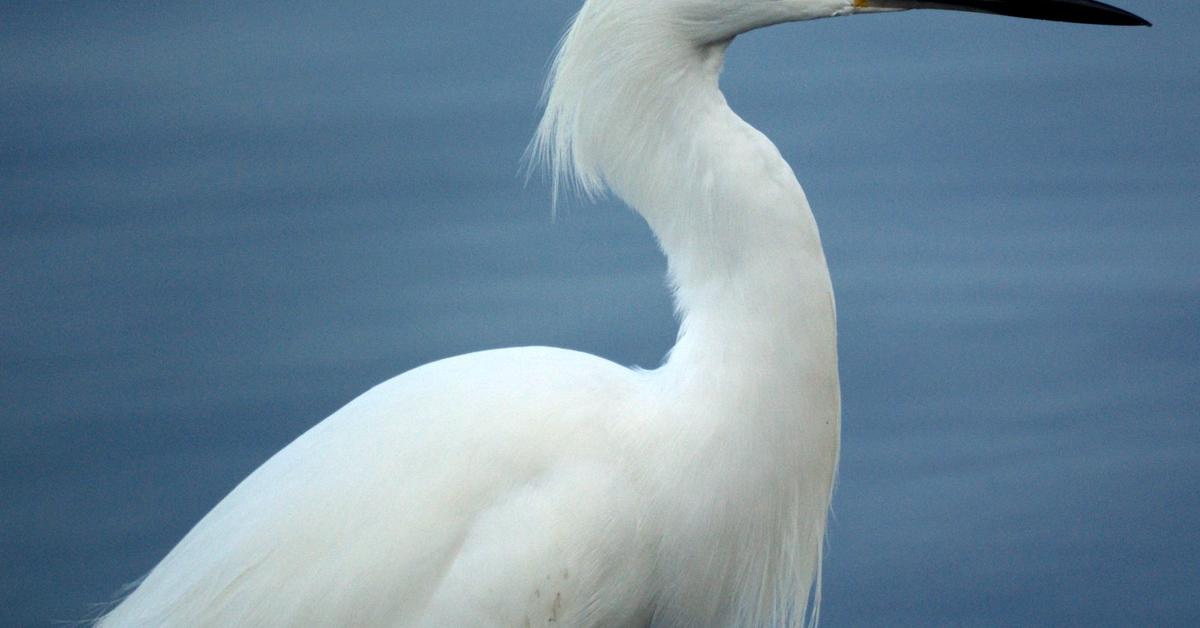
point(487, 489)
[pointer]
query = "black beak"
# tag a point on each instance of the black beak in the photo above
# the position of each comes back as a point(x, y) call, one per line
point(1079, 11)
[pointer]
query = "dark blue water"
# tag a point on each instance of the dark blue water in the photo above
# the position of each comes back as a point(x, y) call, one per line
point(219, 224)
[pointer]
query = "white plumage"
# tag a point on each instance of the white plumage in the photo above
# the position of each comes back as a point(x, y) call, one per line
point(535, 486)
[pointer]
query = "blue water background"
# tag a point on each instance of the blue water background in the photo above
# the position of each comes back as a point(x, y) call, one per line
point(220, 222)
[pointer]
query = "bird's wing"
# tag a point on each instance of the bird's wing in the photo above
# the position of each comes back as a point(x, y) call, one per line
point(486, 489)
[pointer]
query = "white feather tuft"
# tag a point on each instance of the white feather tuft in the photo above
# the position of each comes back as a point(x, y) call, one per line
point(552, 149)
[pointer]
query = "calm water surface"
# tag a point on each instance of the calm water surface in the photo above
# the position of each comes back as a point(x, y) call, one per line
point(219, 224)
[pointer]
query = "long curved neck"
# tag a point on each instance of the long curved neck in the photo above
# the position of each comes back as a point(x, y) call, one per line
point(744, 252)
point(635, 106)
point(752, 379)
point(754, 370)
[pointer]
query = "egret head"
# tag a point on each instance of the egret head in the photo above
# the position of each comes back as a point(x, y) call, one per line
point(626, 64)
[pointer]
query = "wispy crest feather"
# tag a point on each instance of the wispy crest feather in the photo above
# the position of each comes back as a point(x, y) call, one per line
point(552, 149)
point(606, 93)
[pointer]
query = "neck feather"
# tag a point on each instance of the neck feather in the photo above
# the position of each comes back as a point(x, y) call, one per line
point(636, 110)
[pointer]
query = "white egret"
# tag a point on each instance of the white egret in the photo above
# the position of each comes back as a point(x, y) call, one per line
point(530, 486)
